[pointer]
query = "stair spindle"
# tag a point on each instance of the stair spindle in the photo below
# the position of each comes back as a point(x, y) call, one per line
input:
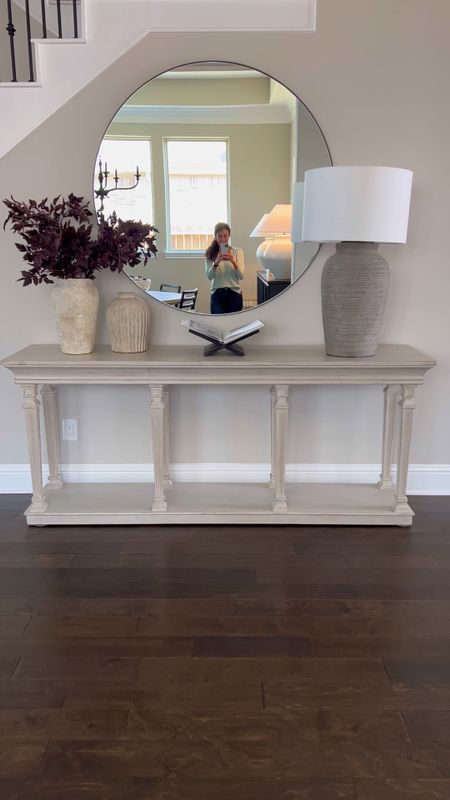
point(29, 45)
point(75, 19)
point(11, 32)
point(58, 9)
point(44, 20)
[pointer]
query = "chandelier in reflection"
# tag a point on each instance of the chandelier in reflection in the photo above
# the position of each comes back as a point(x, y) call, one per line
point(103, 191)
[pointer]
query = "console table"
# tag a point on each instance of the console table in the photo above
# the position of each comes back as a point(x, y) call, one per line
point(40, 369)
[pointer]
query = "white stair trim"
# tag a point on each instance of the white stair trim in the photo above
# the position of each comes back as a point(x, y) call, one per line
point(20, 85)
point(79, 40)
point(424, 479)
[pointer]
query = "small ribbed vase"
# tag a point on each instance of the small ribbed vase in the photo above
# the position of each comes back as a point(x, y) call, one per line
point(355, 283)
point(75, 302)
point(128, 320)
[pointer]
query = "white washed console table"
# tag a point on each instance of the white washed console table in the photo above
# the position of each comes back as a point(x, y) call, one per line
point(399, 369)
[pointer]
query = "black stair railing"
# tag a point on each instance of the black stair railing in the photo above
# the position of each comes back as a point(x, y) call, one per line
point(44, 20)
point(64, 31)
point(11, 33)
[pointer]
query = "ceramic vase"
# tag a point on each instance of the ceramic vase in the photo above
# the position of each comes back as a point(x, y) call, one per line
point(355, 284)
point(128, 320)
point(75, 302)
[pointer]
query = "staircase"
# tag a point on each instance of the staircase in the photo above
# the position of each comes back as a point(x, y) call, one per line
point(22, 22)
point(65, 44)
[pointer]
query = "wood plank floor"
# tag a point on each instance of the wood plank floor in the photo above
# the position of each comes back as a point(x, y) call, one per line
point(211, 663)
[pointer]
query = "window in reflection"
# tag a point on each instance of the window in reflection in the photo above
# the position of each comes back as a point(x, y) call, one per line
point(197, 191)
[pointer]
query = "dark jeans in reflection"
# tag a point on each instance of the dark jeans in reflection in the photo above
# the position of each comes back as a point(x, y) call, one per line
point(225, 301)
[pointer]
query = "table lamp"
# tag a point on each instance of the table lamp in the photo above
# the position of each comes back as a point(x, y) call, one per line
point(357, 208)
point(258, 232)
point(275, 253)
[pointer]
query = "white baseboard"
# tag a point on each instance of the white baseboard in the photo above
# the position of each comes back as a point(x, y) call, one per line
point(423, 478)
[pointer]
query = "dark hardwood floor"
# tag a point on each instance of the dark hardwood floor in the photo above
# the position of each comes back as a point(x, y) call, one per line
point(216, 663)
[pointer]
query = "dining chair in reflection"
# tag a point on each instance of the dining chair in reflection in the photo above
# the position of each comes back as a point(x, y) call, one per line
point(188, 299)
point(170, 287)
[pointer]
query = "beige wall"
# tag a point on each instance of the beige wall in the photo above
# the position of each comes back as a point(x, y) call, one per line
point(375, 75)
point(259, 157)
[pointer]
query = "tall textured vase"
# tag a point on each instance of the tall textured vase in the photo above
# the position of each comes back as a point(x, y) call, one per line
point(355, 282)
point(75, 302)
point(128, 320)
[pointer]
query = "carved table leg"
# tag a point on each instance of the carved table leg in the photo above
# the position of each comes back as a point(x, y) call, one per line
point(280, 414)
point(407, 406)
point(166, 398)
point(31, 406)
point(157, 407)
point(392, 395)
point(50, 409)
point(272, 437)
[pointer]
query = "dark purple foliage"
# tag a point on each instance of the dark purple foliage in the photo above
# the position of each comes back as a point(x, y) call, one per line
point(59, 242)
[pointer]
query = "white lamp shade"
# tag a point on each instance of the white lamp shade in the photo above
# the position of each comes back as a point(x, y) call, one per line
point(356, 204)
point(297, 211)
point(259, 229)
point(279, 220)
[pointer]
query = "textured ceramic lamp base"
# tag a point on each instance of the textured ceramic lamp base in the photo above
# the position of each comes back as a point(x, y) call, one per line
point(75, 301)
point(355, 283)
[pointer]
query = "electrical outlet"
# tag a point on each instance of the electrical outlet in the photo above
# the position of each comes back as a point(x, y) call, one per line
point(70, 429)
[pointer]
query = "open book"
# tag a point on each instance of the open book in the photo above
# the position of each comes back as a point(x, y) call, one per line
point(219, 337)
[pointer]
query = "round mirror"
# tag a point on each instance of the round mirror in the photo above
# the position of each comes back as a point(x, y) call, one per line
point(213, 155)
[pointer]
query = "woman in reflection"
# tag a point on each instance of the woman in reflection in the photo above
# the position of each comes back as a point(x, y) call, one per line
point(225, 269)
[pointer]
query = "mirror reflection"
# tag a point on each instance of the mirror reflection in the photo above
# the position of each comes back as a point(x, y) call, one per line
point(213, 154)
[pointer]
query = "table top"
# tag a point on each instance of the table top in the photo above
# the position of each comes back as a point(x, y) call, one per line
point(174, 365)
point(165, 297)
point(271, 278)
point(314, 356)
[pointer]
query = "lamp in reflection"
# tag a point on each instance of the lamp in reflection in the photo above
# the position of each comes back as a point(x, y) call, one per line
point(258, 232)
point(275, 253)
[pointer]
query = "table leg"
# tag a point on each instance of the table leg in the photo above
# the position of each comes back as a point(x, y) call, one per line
point(157, 407)
point(407, 406)
point(166, 398)
point(392, 395)
point(272, 437)
point(280, 433)
point(51, 421)
point(31, 407)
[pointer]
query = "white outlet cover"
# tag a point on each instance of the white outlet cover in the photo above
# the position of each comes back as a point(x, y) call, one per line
point(70, 430)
